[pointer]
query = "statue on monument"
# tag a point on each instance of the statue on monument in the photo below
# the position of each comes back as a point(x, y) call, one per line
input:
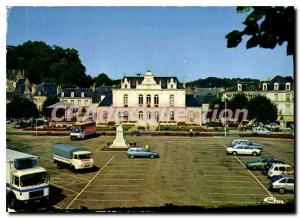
point(119, 141)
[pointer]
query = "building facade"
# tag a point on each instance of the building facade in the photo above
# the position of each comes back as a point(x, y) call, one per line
point(278, 90)
point(148, 100)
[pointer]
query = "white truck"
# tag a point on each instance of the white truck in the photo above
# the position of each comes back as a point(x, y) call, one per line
point(74, 157)
point(25, 180)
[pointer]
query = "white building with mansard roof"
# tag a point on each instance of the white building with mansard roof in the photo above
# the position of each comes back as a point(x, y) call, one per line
point(149, 100)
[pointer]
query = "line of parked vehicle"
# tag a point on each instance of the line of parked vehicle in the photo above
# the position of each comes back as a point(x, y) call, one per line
point(280, 174)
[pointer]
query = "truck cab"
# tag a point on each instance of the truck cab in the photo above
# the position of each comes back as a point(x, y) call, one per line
point(25, 180)
point(82, 160)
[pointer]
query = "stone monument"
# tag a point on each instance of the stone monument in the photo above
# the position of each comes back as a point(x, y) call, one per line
point(119, 141)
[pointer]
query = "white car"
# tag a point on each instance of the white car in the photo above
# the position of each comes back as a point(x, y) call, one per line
point(260, 130)
point(278, 169)
point(243, 149)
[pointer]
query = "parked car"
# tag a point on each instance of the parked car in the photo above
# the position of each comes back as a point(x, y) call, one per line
point(282, 183)
point(242, 149)
point(274, 127)
point(246, 142)
point(142, 152)
point(268, 165)
point(277, 169)
point(259, 163)
point(260, 130)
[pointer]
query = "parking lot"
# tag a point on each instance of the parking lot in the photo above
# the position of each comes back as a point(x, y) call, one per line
point(190, 172)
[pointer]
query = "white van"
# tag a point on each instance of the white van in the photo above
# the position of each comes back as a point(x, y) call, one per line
point(278, 169)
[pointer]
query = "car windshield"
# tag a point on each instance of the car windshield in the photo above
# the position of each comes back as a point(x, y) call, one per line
point(34, 179)
point(76, 130)
point(85, 156)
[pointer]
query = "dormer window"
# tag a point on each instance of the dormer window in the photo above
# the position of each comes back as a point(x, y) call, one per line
point(265, 87)
point(288, 86)
point(62, 94)
point(125, 86)
point(72, 94)
point(239, 87)
point(82, 94)
point(276, 86)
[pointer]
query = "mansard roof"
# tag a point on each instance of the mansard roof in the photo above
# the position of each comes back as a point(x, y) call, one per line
point(164, 81)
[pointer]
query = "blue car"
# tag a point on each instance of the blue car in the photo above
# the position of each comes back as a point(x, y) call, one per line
point(142, 152)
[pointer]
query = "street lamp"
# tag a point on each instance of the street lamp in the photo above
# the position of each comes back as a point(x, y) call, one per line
point(225, 112)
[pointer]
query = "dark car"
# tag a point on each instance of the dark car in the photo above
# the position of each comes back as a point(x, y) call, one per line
point(268, 165)
point(259, 163)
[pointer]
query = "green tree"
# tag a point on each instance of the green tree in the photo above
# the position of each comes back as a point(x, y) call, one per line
point(21, 107)
point(50, 100)
point(266, 28)
point(262, 109)
point(102, 79)
point(238, 101)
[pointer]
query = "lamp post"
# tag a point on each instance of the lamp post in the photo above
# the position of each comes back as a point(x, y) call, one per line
point(225, 112)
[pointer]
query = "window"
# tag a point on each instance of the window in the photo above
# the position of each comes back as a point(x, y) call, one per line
point(156, 100)
point(172, 115)
point(276, 169)
point(283, 181)
point(79, 101)
point(276, 86)
point(148, 100)
point(62, 94)
point(82, 94)
point(125, 86)
point(17, 180)
point(86, 101)
point(75, 156)
point(156, 116)
point(141, 115)
point(72, 94)
point(141, 100)
point(125, 100)
point(288, 86)
point(191, 116)
point(148, 115)
point(281, 168)
point(171, 100)
point(276, 97)
point(72, 101)
point(125, 116)
point(290, 181)
point(105, 115)
point(172, 86)
point(288, 97)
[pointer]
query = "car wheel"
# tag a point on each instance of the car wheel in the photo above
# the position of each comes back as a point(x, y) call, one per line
point(152, 156)
point(254, 153)
point(132, 156)
point(254, 168)
point(281, 190)
point(234, 153)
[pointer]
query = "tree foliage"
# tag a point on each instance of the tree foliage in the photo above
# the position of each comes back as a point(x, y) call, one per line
point(50, 100)
point(262, 109)
point(21, 108)
point(238, 101)
point(43, 63)
point(266, 27)
point(219, 82)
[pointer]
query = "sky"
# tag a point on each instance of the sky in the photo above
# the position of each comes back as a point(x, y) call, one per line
point(187, 42)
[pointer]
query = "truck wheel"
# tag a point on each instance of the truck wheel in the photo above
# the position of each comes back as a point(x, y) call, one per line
point(281, 190)
point(73, 169)
point(152, 156)
point(13, 202)
point(254, 153)
point(234, 153)
point(58, 165)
